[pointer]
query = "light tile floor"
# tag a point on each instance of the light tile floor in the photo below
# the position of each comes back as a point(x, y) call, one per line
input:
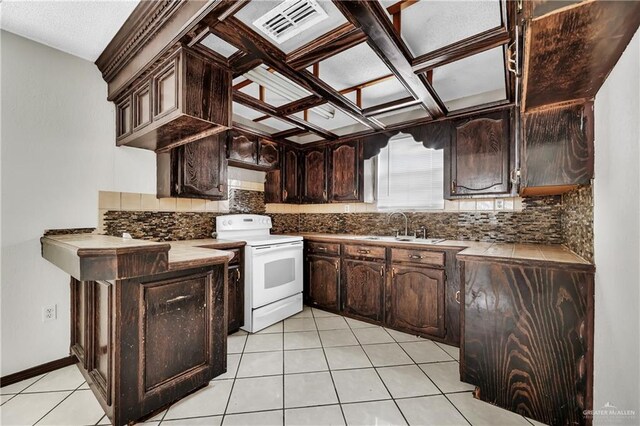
point(315, 368)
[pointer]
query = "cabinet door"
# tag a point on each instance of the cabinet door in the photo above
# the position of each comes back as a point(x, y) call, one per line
point(235, 299)
point(479, 157)
point(242, 148)
point(124, 117)
point(273, 187)
point(415, 300)
point(269, 154)
point(166, 88)
point(558, 149)
point(346, 163)
point(324, 281)
point(101, 356)
point(290, 177)
point(363, 289)
point(314, 171)
point(79, 322)
point(203, 168)
point(142, 106)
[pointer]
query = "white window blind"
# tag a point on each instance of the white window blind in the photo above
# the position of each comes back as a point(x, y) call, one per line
point(410, 176)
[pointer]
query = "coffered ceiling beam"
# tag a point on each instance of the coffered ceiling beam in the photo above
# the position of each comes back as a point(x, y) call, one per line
point(235, 32)
point(338, 40)
point(391, 106)
point(288, 133)
point(385, 41)
point(241, 62)
point(263, 107)
point(473, 45)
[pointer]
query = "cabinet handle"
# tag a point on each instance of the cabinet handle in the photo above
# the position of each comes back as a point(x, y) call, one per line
point(324, 194)
point(285, 194)
point(393, 272)
point(239, 274)
point(363, 251)
point(382, 271)
point(321, 248)
point(414, 256)
point(355, 192)
point(458, 296)
point(453, 186)
point(337, 265)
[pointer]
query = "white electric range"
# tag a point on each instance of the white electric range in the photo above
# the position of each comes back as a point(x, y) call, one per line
point(272, 269)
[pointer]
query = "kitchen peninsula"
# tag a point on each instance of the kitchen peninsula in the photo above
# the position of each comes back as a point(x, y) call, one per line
point(148, 320)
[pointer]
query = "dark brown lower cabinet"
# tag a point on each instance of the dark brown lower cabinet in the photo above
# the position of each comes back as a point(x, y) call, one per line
point(323, 277)
point(145, 342)
point(416, 300)
point(363, 289)
point(235, 299)
point(528, 338)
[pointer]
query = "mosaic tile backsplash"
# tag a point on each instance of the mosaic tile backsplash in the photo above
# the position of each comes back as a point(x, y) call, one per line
point(577, 221)
point(542, 220)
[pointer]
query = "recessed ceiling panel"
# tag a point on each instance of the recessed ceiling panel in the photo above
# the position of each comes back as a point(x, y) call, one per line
point(256, 9)
point(352, 67)
point(399, 116)
point(277, 124)
point(431, 24)
point(386, 91)
point(278, 90)
point(245, 112)
point(472, 81)
point(218, 45)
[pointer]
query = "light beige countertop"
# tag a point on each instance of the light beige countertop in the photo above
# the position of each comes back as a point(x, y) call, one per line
point(471, 250)
point(102, 257)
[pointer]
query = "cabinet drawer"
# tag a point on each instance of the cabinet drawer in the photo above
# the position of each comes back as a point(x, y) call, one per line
point(435, 258)
point(323, 248)
point(368, 252)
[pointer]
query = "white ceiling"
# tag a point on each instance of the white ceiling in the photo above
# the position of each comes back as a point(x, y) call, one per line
point(82, 28)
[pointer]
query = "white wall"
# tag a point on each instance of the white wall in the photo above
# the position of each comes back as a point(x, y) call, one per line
point(617, 238)
point(58, 151)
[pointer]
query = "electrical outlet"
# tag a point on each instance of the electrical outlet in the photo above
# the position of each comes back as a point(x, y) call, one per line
point(499, 204)
point(49, 313)
point(347, 208)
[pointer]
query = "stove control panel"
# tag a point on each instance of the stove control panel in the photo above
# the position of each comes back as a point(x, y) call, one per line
point(242, 222)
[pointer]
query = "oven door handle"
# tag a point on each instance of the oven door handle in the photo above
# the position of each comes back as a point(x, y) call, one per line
point(259, 251)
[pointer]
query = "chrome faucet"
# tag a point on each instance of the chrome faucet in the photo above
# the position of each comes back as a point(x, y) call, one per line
point(423, 231)
point(406, 221)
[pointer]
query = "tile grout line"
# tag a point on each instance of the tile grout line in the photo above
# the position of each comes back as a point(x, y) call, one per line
point(333, 382)
point(380, 377)
point(235, 377)
point(58, 404)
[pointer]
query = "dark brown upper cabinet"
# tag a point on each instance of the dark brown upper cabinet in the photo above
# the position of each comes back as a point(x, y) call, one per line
point(557, 153)
point(314, 175)
point(180, 99)
point(249, 151)
point(194, 170)
point(290, 175)
point(346, 164)
point(479, 157)
point(273, 187)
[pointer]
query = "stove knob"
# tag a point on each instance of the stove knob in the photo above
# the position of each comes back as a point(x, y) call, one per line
point(224, 223)
point(230, 221)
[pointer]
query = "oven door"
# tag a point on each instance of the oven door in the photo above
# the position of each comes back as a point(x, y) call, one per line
point(276, 272)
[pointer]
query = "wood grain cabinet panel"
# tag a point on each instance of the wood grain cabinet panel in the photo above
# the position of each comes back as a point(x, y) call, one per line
point(242, 148)
point(269, 154)
point(176, 100)
point(314, 175)
point(235, 299)
point(363, 289)
point(365, 252)
point(323, 276)
point(479, 157)
point(101, 355)
point(196, 170)
point(79, 322)
point(273, 187)
point(416, 300)
point(290, 176)
point(558, 149)
point(346, 163)
point(528, 338)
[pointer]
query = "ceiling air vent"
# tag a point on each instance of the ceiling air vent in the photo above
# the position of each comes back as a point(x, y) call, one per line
point(290, 18)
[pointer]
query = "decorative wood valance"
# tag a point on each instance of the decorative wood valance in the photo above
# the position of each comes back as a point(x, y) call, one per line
point(432, 135)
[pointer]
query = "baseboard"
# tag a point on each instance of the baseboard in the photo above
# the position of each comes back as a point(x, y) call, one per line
point(37, 370)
